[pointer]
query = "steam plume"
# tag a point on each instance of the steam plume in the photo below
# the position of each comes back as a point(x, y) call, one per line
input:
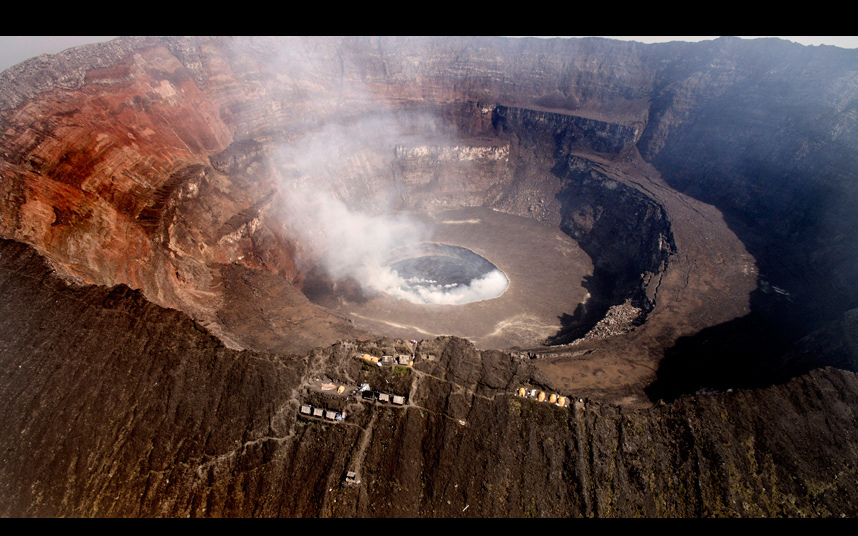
point(350, 160)
point(489, 286)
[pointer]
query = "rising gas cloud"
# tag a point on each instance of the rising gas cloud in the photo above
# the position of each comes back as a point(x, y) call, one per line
point(349, 243)
point(327, 169)
point(491, 285)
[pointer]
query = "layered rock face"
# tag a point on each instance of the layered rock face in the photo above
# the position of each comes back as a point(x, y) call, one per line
point(709, 184)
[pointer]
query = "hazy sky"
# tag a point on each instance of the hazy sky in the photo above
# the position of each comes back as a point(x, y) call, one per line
point(15, 49)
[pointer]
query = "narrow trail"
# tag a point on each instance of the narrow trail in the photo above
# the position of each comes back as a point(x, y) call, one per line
point(357, 463)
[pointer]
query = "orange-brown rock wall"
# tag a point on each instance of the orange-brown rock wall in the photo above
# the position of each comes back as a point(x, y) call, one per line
point(80, 165)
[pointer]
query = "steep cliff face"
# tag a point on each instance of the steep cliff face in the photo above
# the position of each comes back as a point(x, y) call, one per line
point(443, 177)
point(82, 167)
point(567, 132)
point(773, 148)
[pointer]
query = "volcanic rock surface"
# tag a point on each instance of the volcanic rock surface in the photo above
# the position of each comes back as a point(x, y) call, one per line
point(195, 232)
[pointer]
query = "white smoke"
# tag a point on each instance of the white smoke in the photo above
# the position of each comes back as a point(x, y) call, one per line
point(345, 153)
point(349, 243)
point(489, 286)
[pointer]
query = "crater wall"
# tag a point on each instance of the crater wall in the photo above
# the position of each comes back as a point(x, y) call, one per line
point(133, 165)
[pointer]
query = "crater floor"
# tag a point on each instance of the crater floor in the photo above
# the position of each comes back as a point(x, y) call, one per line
point(545, 269)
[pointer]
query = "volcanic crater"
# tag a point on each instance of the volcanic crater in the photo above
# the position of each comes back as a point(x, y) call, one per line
point(317, 181)
point(251, 214)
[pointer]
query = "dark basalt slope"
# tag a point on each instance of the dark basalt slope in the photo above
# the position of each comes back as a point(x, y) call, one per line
point(160, 419)
point(157, 342)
